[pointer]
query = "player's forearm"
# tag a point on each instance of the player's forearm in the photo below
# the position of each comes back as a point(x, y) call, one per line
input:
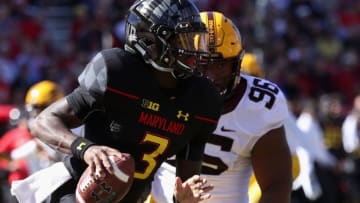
point(52, 126)
point(186, 169)
point(52, 132)
point(280, 194)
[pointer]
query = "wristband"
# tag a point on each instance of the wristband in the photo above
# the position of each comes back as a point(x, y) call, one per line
point(79, 146)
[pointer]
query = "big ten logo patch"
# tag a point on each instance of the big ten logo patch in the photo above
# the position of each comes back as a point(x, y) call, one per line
point(147, 104)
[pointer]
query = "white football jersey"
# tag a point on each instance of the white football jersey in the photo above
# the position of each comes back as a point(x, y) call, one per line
point(227, 156)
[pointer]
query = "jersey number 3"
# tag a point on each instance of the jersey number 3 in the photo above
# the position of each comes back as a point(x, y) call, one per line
point(151, 157)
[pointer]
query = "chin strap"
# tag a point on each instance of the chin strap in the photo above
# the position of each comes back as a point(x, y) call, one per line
point(181, 71)
point(147, 58)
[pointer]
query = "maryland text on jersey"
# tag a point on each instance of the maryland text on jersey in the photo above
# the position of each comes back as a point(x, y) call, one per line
point(161, 123)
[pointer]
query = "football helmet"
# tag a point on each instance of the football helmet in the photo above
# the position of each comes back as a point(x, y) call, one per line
point(168, 34)
point(225, 47)
point(41, 95)
point(251, 66)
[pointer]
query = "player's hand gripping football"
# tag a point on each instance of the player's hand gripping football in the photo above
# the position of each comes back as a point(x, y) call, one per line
point(97, 157)
point(193, 190)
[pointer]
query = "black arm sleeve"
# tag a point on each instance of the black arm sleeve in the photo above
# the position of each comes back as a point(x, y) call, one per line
point(195, 149)
point(210, 103)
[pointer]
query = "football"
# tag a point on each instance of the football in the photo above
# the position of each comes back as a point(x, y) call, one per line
point(111, 188)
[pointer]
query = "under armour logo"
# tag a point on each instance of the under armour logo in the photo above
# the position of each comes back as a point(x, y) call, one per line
point(80, 146)
point(184, 116)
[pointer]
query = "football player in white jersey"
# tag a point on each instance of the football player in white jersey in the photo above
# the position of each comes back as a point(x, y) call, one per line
point(250, 135)
point(301, 146)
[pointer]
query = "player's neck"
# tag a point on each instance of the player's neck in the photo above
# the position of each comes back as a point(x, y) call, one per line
point(232, 101)
point(165, 79)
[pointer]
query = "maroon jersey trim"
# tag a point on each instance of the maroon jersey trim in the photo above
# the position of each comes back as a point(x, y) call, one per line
point(122, 93)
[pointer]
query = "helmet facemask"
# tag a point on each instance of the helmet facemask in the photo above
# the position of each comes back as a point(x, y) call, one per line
point(224, 73)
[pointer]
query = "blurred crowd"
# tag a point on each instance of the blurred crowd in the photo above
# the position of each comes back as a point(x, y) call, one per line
point(310, 48)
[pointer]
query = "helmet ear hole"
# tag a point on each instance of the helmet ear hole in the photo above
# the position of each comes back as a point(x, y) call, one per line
point(163, 32)
point(166, 60)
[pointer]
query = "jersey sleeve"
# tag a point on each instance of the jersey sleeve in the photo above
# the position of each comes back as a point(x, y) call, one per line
point(195, 149)
point(266, 107)
point(211, 105)
point(263, 108)
point(88, 96)
point(94, 77)
point(277, 116)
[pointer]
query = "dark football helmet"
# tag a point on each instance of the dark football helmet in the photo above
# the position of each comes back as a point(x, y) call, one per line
point(169, 34)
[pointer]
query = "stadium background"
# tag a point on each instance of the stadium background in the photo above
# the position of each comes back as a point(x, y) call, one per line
point(310, 48)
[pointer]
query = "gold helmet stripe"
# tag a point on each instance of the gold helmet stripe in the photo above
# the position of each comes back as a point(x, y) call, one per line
point(211, 28)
